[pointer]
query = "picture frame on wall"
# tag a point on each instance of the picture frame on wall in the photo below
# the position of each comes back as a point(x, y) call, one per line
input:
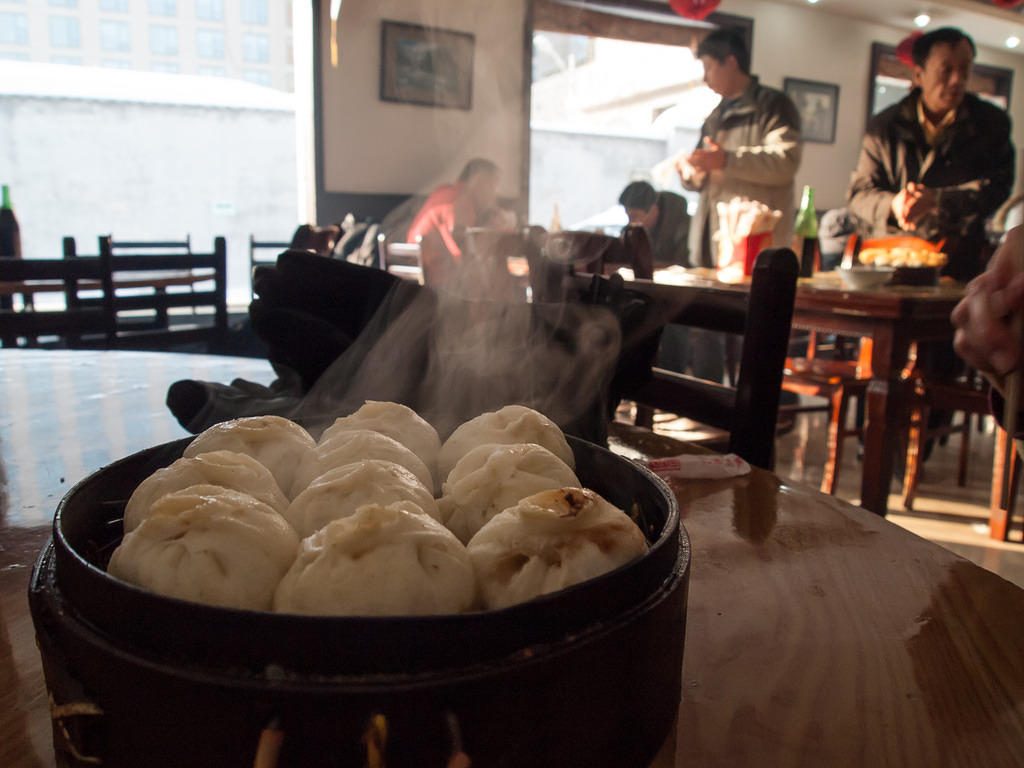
point(428, 66)
point(818, 105)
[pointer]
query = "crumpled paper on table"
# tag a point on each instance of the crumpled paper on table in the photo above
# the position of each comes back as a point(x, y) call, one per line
point(691, 467)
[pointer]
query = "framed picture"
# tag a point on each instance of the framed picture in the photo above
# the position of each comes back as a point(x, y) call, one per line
point(818, 105)
point(426, 65)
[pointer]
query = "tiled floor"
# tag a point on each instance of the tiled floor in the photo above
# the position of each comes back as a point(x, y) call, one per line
point(954, 517)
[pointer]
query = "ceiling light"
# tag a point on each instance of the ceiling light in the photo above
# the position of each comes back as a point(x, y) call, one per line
point(813, 2)
point(922, 20)
point(1012, 41)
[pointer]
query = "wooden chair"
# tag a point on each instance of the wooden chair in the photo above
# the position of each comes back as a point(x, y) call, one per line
point(58, 316)
point(257, 257)
point(162, 300)
point(400, 259)
point(748, 413)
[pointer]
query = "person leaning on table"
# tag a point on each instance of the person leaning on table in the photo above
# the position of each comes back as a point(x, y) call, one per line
point(984, 319)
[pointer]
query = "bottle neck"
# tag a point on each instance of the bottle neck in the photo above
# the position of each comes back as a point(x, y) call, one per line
point(6, 203)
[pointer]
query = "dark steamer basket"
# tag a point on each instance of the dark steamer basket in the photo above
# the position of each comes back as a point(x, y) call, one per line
point(586, 676)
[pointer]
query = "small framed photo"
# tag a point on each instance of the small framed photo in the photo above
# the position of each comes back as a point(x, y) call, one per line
point(426, 65)
point(818, 105)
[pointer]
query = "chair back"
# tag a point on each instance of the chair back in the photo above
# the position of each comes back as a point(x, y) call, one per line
point(53, 311)
point(748, 411)
point(164, 299)
point(567, 253)
point(400, 259)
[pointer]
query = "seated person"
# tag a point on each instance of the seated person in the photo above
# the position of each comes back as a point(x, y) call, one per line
point(837, 224)
point(448, 211)
point(664, 216)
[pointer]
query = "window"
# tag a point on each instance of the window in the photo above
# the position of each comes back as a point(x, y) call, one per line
point(255, 47)
point(163, 40)
point(14, 56)
point(210, 10)
point(115, 36)
point(63, 3)
point(116, 63)
point(64, 32)
point(73, 60)
point(254, 11)
point(210, 43)
point(165, 66)
point(122, 6)
point(14, 28)
point(163, 7)
point(257, 76)
point(208, 70)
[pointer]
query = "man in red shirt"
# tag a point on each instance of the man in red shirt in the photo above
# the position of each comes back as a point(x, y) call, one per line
point(448, 211)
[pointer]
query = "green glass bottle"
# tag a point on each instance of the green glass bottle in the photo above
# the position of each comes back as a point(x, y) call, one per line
point(10, 234)
point(805, 233)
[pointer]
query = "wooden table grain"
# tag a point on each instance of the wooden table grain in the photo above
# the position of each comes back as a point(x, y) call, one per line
point(818, 633)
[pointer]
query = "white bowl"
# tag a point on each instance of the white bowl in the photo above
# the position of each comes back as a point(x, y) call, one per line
point(863, 278)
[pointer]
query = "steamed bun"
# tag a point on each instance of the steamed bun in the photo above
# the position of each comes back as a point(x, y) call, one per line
point(227, 469)
point(210, 545)
point(550, 541)
point(275, 442)
point(381, 561)
point(353, 446)
point(396, 421)
point(493, 477)
point(340, 491)
point(511, 424)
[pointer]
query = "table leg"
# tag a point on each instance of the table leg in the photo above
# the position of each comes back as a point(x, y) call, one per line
point(885, 418)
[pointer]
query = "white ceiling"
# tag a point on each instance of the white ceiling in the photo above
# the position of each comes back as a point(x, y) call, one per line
point(987, 24)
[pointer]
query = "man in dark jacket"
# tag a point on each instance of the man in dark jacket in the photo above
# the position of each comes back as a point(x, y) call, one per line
point(664, 216)
point(940, 162)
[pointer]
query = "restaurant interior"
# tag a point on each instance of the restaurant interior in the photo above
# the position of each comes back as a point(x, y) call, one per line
point(821, 574)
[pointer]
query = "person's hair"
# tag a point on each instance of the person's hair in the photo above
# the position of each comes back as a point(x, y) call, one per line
point(923, 45)
point(723, 43)
point(475, 167)
point(638, 194)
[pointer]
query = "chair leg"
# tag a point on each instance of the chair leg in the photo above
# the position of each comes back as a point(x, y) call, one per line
point(1006, 462)
point(912, 471)
point(644, 416)
point(965, 449)
point(836, 424)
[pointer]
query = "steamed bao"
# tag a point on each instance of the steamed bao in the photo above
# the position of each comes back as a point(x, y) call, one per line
point(361, 534)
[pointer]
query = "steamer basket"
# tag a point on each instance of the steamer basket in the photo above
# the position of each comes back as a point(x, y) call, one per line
point(139, 679)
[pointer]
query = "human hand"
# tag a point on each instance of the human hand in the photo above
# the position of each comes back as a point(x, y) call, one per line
point(912, 203)
point(711, 158)
point(983, 318)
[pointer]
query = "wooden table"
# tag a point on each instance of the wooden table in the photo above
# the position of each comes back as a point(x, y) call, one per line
point(818, 634)
point(156, 279)
point(892, 316)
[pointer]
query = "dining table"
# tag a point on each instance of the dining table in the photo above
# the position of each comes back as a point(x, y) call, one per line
point(894, 317)
point(817, 633)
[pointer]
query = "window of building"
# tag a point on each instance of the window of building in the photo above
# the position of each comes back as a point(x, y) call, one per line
point(210, 10)
point(163, 40)
point(14, 56)
point(121, 6)
point(254, 11)
point(72, 60)
point(255, 47)
point(14, 28)
point(116, 63)
point(257, 76)
point(165, 66)
point(163, 7)
point(210, 43)
point(17, 1)
point(115, 36)
point(63, 3)
point(209, 70)
point(64, 32)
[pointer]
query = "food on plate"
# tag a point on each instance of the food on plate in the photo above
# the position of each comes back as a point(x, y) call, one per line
point(492, 477)
point(381, 561)
point(352, 446)
point(550, 541)
point(228, 469)
point(339, 492)
point(210, 545)
point(275, 442)
point(396, 421)
point(902, 257)
point(511, 424)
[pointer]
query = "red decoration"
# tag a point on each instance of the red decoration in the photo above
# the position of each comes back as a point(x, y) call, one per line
point(904, 51)
point(699, 9)
point(1007, 3)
